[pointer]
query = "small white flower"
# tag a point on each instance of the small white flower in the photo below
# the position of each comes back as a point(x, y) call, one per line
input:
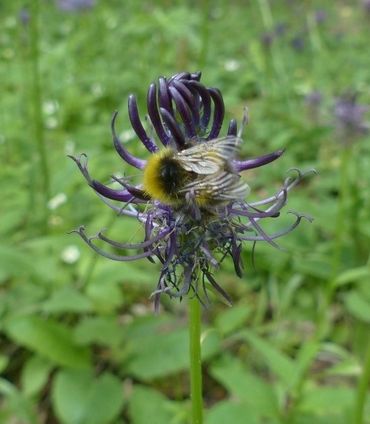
point(97, 89)
point(50, 107)
point(69, 147)
point(51, 122)
point(232, 65)
point(127, 135)
point(57, 201)
point(70, 254)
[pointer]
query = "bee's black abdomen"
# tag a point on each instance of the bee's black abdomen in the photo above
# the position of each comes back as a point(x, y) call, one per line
point(171, 175)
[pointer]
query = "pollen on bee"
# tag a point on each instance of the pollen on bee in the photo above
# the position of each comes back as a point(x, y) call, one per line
point(152, 180)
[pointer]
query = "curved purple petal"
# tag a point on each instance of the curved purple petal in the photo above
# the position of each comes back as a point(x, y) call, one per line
point(125, 155)
point(154, 114)
point(206, 102)
point(243, 165)
point(109, 193)
point(184, 112)
point(218, 113)
point(164, 96)
point(174, 129)
point(136, 124)
point(135, 191)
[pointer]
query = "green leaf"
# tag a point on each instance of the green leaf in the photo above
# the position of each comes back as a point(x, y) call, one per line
point(15, 407)
point(321, 419)
point(148, 340)
point(147, 358)
point(105, 295)
point(243, 385)
point(235, 412)
point(327, 400)
point(357, 306)
point(67, 299)
point(100, 330)
point(149, 406)
point(280, 364)
point(233, 318)
point(14, 262)
point(49, 338)
point(35, 375)
point(80, 398)
point(4, 360)
point(352, 275)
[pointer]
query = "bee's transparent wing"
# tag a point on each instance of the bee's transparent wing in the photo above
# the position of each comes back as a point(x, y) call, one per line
point(209, 157)
point(223, 186)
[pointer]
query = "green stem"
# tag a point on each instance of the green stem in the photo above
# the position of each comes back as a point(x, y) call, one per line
point(36, 102)
point(344, 198)
point(195, 361)
point(362, 389)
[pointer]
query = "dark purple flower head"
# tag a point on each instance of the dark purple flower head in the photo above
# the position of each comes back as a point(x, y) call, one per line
point(210, 217)
point(349, 117)
point(75, 5)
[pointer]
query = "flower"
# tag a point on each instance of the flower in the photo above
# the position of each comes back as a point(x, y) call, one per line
point(320, 16)
point(190, 239)
point(313, 99)
point(75, 5)
point(366, 5)
point(298, 42)
point(349, 117)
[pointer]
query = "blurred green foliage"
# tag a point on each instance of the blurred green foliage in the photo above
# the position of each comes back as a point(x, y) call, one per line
point(79, 341)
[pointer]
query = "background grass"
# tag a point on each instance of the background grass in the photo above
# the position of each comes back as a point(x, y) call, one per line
point(79, 342)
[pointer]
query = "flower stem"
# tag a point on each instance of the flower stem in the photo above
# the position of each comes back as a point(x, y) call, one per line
point(195, 361)
point(362, 390)
point(36, 100)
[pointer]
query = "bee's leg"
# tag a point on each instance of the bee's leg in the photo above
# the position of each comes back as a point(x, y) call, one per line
point(194, 208)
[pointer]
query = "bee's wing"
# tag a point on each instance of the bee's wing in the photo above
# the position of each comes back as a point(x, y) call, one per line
point(209, 157)
point(224, 186)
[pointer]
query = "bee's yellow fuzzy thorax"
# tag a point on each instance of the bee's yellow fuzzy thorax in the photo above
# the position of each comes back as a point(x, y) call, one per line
point(152, 177)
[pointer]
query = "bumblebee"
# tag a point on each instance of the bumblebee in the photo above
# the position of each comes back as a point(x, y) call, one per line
point(202, 173)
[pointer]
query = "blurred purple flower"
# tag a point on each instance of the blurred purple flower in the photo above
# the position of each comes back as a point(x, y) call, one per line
point(313, 99)
point(267, 38)
point(298, 43)
point(280, 28)
point(366, 5)
point(349, 116)
point(24, 16)
point(189, 238)
point(75, 5)
point(320, 16)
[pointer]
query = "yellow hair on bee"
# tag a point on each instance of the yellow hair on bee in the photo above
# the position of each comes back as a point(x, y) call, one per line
point(152, 180)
